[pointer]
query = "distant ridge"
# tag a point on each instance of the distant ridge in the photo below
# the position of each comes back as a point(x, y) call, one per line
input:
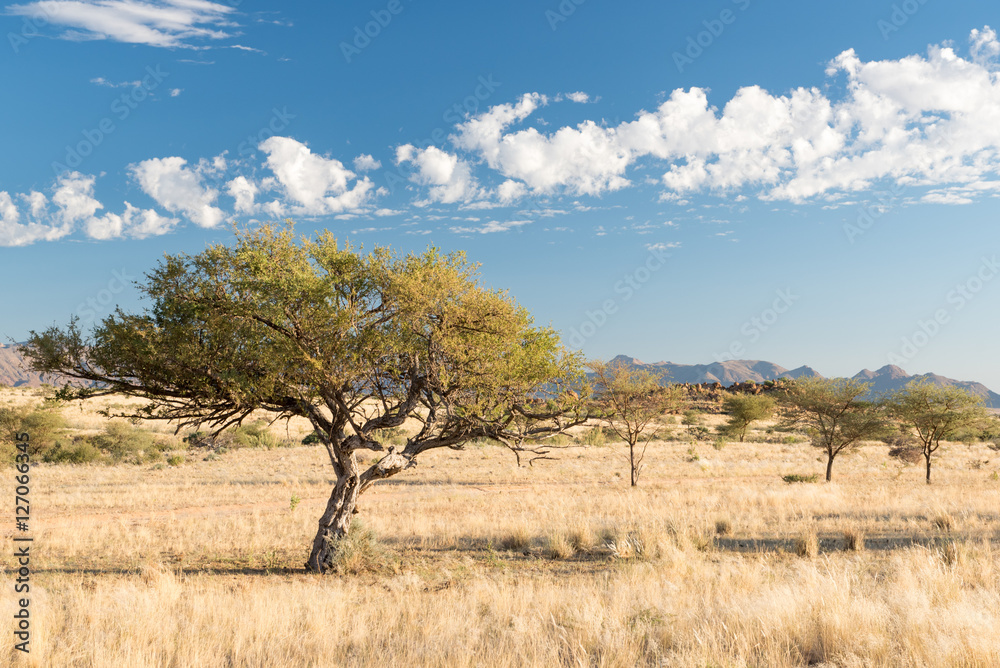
point(14, 371)
point(886, 379)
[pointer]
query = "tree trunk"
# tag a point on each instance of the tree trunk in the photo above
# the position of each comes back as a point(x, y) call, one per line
point(928, 458)
point(631, 461)
point(335, 523)
point(829, 467)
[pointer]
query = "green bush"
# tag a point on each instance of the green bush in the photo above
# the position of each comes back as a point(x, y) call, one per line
point(43, 425)
point(692, 417)
point(312, 439)
point(126, 443)
point(594, 436)
point(796, 477)
point(78, 450)
point(254, 435)
point(175, 460)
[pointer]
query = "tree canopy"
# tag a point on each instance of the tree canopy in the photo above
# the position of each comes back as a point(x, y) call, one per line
point(353, 342)
point(835, 414)
point(936, 413)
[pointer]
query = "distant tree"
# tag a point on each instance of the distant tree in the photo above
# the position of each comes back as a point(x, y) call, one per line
point(744, 410)
point(357, 344)
point(834, 414)
point(632, 403)
point(935, 413)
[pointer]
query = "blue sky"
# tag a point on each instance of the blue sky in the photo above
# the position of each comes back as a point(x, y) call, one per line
point(804, 183)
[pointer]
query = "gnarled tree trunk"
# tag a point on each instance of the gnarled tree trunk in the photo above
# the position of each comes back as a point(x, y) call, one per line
point(335, 522)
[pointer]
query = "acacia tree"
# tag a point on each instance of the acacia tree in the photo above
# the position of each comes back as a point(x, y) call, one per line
point(744, 410)
point(631, 401)
point(936, 413)
point(353, 343)
point(837, 419)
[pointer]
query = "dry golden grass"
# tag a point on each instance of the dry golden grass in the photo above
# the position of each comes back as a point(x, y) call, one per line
point(489, 564)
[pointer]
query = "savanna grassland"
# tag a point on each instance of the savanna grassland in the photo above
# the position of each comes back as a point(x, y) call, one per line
point(469, 560)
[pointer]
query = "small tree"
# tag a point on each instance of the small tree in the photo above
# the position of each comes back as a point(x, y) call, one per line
point(744, 410)
point(836, 418)
point(357, 344)
point(936, 413)
point(630, 401)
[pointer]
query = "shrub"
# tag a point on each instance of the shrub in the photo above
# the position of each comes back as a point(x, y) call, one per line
point(78, 450)
point(797, 477)
point(44, 426)
point(360, 552)
point(175, 460)
point(723, 527)
point(692, 417)
point(595, 436)
point(312, 439)
point(255, 435)
point(123, 442)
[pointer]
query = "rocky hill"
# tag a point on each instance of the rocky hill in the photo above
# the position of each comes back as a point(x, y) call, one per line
point(886, 379)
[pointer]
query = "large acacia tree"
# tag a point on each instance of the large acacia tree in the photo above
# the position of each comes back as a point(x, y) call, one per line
point(354, 343)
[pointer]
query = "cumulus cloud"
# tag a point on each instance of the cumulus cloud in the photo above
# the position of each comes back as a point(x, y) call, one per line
point(366, 163)
point(204, 192)
point(165, 23)
point(928, 120)
point(179, 189)
point(72, 206)
point(449, 178)
point(316, 185)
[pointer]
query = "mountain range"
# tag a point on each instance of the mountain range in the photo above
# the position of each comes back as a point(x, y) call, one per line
point(886, 379)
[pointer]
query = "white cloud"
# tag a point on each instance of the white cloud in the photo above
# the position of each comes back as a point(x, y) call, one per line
point(491, 227)
point(166, 23)
point(316, 184)
point(663, 246)
point(923, 121)
point(178, 189)
point(244, 192)
point(578, 97)
point(72, 206)
point(101, 81)
point(366, 163)
point(174, 92)
point(449, 178)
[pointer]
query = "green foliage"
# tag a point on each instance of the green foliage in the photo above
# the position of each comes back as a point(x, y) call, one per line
point(78, 450)
point(934, 413)
point(294, 502)
point(595, 436)
point(253, 435)
point(175, 460)
point(692, 417)
point(744, 410)
point(834, 415)
point(44, 425)
point(633, 404)
point(122, 442)
point(361, 552)
point(312, 438)
point(796, 477)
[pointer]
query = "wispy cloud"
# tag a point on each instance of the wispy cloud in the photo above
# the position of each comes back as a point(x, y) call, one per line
point(160, 23)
